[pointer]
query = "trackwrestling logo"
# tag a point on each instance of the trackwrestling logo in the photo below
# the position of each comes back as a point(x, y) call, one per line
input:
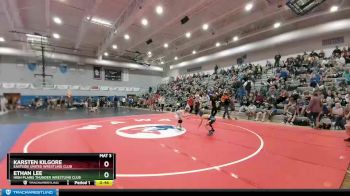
point(150, 131)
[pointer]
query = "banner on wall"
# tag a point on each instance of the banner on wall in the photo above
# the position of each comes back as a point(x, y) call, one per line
point(33, 86)
point(49, 87)
point(84, 88)
point(23, 85)
point(104, 88)
point(113, 88)
point(8, 85)
point(136, 89)
point(62, 87)
point(97, 73)
point(94, 88)
point(121, 89)
point(129, 89)
point(75, 87)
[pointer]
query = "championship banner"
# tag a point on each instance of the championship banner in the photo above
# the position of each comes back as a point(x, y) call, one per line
point(33, 86)
point(94, 88)
point(23, 85)
point(104, 88)
point(113, 88)
point(49, 87)
point(8, 85)
point(97, 73)
point(121, 88)
point(129, 89)
point(75, 87)
point(84, 88)
point(62, 87)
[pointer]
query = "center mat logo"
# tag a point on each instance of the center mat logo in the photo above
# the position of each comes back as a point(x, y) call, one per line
point(150, 131)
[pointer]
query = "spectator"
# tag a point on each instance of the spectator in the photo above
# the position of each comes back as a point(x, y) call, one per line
point(251, 110)
point(190, 103)
point(161, 101)
point(216, 69)
point(225, 100)
point(315, 109)
point(291, 114)
point(263, 111)
point(3, 104)
point(259, 100)
point(248, 86)
point(338, 116)
point(214, 109)
point(337, 52)
point(277, 60)
point(115, 102)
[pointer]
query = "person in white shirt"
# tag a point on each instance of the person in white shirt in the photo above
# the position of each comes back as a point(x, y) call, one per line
point(251, 110)
point(161, 101)
point(3, 103)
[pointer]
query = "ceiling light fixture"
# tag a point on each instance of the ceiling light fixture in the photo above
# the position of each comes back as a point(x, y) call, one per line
point(249, 7)
point(235, 38)
point(188, 34)
point(175, 58)
point(144, 22)
point(100, 21)
point(194, 52)
point(334, 8)
point(56, 36)
point(205, 27)
point(159, 10)
point(126, 36)
point(277, 25)
point(166, 45)
point(57, 20)
point(2, 39)
point(115, 47)
point(217, 44)
point(106, 54)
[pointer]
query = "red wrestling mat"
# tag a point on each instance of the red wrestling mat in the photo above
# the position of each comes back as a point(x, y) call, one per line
point(151, 154)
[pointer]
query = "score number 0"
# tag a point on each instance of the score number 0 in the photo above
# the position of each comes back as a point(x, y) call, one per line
point(106, 164)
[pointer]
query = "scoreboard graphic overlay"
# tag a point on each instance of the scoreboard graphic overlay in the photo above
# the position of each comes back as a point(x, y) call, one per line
point(61, 169)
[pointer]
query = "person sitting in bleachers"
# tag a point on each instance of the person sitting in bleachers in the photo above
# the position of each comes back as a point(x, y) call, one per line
point(251, 110)
point(338, 116)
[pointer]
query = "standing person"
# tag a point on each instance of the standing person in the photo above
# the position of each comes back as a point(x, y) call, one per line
point(161, 101)
point(3, 103)
point(214, 109)
point(248, 86)
point(225, 100)
point(115, 102)
point(196, 104)
point(338, 116)
point(347, 126)
point(277, 60)
point(315, 108)
point(190, 103)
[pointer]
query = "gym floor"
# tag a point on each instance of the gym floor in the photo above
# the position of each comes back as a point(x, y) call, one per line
point(153, 154)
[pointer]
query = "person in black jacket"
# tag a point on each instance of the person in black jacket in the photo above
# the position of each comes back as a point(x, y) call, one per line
point(214, 109)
